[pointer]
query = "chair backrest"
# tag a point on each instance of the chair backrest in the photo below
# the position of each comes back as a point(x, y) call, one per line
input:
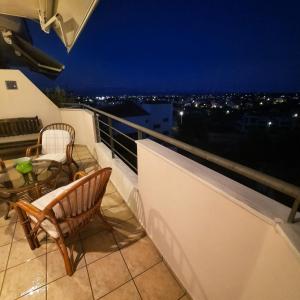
point(55, 138)
point(76, 205)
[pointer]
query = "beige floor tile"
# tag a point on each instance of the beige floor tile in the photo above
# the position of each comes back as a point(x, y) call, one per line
point(107, 274)
point(98, 246)
point(111, 200)
point(118, 214)
point(75, 287)
point(55, 263)
point(140, 256)
point(39, 294)
point(186, 297)
point(4, 252)
point(19, 234)
point(21, 252)
point(95, 226)
point(110, 188)
point(24, 278)
point(6, 233)
point(158, 283)
point(12, 215)
point(1, 279)
point(51, 245)
point(128, 232)
point(127, 291)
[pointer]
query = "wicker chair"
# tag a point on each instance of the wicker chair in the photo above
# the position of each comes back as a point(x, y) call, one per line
point(64, 212)
point(55, 142)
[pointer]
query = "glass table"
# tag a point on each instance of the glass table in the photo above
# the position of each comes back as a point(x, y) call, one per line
point(15, 185)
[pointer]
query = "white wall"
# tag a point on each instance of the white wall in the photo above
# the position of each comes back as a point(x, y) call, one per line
point(84, 125)
point(122, 176)
point(26, 101)
point(219, 237)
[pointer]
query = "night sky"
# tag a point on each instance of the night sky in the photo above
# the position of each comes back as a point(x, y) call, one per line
point(172, 46)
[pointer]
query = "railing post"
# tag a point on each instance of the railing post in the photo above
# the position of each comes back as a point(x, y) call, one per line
point(294, 210)
point(112, 144)
point(140, 135)
point(97, 125)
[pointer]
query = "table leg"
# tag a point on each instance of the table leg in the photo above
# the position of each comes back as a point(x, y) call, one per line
point(7, 211)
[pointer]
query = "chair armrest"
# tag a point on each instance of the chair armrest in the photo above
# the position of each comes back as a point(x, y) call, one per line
point(79, 174)
point(30, 209)
point(37, 148)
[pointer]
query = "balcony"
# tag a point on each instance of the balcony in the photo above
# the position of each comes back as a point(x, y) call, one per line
point(180, 229)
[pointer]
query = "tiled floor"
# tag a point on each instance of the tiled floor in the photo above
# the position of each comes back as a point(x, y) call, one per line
point(123, 264)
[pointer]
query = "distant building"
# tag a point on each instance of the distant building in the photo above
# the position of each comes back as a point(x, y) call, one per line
point(160, 116)
point(155, 116)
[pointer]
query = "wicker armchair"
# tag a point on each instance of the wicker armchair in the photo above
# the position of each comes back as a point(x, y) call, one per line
point(64, 212)
point(55, 142)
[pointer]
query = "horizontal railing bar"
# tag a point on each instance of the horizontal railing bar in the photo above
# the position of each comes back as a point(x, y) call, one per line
point(127, 136)
point(267, 180)
point(127, 161)
point(128, 150)
point(101, 130)
point(103, 123)
point(108, 145)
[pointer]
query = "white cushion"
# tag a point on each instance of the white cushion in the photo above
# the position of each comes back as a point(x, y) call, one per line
point(41, 203)
point(76, 195)
point(59, 157)
point(55, 141)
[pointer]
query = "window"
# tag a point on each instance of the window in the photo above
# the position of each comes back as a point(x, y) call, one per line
point(11, 85)
point(156, 126)
point(165, 120)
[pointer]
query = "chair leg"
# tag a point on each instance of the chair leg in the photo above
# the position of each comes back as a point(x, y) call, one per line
point(25, 223)
point(70, 170)
point(75, 163)
point(64, 252)
point(7, 210)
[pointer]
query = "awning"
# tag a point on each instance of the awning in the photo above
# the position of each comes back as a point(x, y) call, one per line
point(16, 49)
point(66, 17)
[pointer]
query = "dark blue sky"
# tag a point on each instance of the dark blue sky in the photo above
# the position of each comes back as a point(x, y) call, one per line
point(181, 46)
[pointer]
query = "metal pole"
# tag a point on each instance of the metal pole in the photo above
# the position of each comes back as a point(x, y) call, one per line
point(112, 145)
point(292, 215)
point(98, 133)
point(140, 135)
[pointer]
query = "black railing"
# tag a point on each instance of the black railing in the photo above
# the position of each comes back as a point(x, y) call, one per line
point(119, 143)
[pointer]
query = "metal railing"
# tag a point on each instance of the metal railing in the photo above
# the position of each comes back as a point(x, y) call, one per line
point(274, 183)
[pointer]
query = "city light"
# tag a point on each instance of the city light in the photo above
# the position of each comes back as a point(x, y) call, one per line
point(181, 115)
point(227, 112)
point(270, 124)
point(295, 115)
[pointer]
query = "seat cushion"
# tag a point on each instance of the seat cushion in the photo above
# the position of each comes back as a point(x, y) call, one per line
point(59, 157)
point(55, 141)
point(43, 201)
